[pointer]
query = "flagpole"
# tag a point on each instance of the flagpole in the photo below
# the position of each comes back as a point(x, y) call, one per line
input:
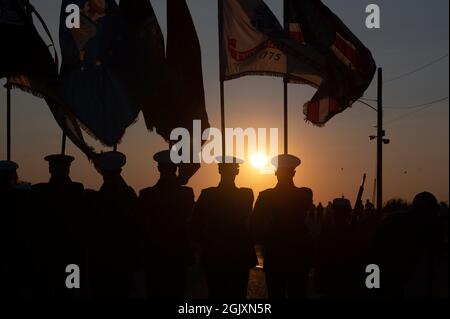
point(286, 121)
point(380, 137)
point(222, 116)
point(8, 122)
point(222, 84)
point(63, 144)
point(285, 86)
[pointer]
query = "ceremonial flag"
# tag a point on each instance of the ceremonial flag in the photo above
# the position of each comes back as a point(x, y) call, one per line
point(27, 63)
point(24, 58)
point(318, 50)
point(186, 96)
point(254, 43)
point(92, 87)
point(140, 59)
point(349, 67)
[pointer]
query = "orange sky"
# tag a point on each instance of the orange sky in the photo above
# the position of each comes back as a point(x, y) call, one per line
point(334, 157)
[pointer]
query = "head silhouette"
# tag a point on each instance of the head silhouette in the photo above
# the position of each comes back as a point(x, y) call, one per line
point(228, 173)
point(285, 175)
point(342, 210)
point(286, 165)
point(8, 174)
point(166, 167)
point(425, 204)
point(59, 166)
point(110, 175)
point(228, 169)
point(59, 170)
point(109, 165)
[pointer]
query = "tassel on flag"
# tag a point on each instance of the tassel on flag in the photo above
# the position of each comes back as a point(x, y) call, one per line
point(27, 64)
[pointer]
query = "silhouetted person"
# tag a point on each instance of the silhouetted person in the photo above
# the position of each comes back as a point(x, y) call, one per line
point(320, 213)
point(13, 232)
point(58, 222)
point(408, 248)
point(166, 209)
point(114, 231)
point(279, 224)
point(339, 273)
point(221, 225)
point(369, 206)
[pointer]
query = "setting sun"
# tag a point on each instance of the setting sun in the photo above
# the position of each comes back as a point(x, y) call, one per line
point(259, 160)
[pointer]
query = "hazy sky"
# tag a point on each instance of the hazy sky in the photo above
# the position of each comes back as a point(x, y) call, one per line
point(413, 33)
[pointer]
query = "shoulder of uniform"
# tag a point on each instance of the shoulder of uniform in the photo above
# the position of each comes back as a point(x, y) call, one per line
point(209, 190)
point(305, 190)
point(78, 185)
point(247, 191)
point(266, 192)
point(131, 190)
point(39, 186)
point(187, 190)
point(145, 191)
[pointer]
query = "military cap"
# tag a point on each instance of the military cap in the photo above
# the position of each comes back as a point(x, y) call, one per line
point(286, 161)
point(110, 161)
point(8, 166)
point(59, 159)
point(229, 160)
point(165, 157)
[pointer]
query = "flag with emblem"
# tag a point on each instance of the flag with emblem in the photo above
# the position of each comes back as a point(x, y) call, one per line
point(349, 66)
point(92, 86)
point(254, 43)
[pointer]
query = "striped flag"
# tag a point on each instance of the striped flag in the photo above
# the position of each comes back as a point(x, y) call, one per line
point(349, 67)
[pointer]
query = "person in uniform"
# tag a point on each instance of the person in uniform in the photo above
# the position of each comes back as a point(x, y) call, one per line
point(57, 228)
point(279, 225)
point(221, 226)
point(12, 232)
point(339, 270)
point(113, 237)
point(166, 209)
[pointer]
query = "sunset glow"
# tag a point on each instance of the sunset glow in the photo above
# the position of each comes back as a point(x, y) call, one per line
point(259, 160)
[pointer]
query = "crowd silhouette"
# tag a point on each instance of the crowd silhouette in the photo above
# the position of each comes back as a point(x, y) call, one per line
point(159, 238)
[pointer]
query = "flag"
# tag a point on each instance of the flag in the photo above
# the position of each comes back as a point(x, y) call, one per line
point(93, 89)
point(139, 59)
point(24, 54)
point(167, 86)
point(27, 63)
point(186, 96)
point(317, 49)
point(253, 42)
point(349, 67)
